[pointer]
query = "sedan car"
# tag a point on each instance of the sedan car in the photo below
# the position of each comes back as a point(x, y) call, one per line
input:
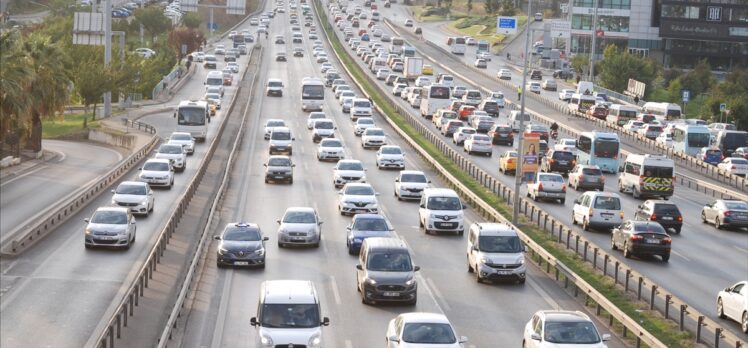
point(725, 213)
point(241, 244)
point(480, 63)
point(565, 94)
point(110, 227)
point(734, 165)
point(175, 154)
point(508, 162)
point(366, 226)
point(641, 238)
point(362, 124)
point(422, 330)
point(135, 195)
point(313, 116)
point(547, 186)
point(533, 87)
point(556, 328)
point(157, 172)
point(479, 143)
point(732, 303)
point(355, 198)
point(373, 137)
point(271, 124)
point(549, 85)
point(348, 171)
point(633, 125)
point(299, 226)
point(183, 139)
point(298, 52)
point(279, 168)
point(585, 176)
point(501, 134)
point(390, 156)
point(422, 81)
point(330, 149)
point(505, 74)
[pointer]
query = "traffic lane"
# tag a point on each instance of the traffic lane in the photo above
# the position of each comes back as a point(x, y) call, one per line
point(87, 279)
point(718, 268)
point(34, 191)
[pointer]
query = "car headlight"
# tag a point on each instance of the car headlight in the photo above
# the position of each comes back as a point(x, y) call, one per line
point(89, 232)
point(266, 340)
point(145, 201)
point(223, 251)
point(282, 231)
point(484, 260)
point(315, 341)
point(370, 281)
point(260, 251)
point(433, 216)
point(410, 282)
point(521, 261)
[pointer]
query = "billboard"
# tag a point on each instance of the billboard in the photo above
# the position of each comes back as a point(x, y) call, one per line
point(530, 155)
point(88, 28)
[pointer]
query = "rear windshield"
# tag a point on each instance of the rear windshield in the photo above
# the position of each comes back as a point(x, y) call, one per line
point(563, 155)
point(658, 172)
point(591, 171)
point(736, 205)
point(649, 227)
point(666, 209)
point(608, 203)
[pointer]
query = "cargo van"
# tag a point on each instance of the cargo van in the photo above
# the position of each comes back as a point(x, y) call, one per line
point(441, 210)
point(215, 79)
point(729, 140)
point(647, 175)
point(289, 314)
point(594, 209)
point(495, 252)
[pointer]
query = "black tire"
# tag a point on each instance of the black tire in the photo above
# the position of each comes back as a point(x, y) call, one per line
point(290, 181)
point(744, 322)
point(470, 267)
point(281, 245)
point(717, 223)
point(585, 225)
point(563, 201)
point(665, 257)
point(87, 246)
point(703, 218)
point(613, 243)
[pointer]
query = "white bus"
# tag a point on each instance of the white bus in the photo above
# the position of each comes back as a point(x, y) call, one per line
point(433, 98)
point(458, 45)
point(690, 138)
point(396, 46)
point(662, 111)
point(620, 114)
point(312, 94)
point(193, 117)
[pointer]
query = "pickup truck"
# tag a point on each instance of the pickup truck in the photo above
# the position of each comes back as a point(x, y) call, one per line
point(547, 186)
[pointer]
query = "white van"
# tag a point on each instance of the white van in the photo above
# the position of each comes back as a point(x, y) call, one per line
point(440, 210)
point(594, 209)
point(515, 118)
point(288, 314)
point(378, 63)
point(647, 175)
point(495, 252)
point(281, 141)
point(214, 79)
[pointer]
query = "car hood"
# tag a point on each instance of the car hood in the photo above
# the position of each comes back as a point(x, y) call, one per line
point(169, 156)
point(416, 185)
point(391, 157)
point(293, 336)
point(158, 174)
point(502, 258)
point(572, 345)
point(294, 227)
point(128, 198)
point(248, 247)
point(331, 149)
point(364, 126)
point(323, 131)
point(390, 277)
point(356, 173)
point(275, 142)
point(116, 228)
point(182, 142)
point(368, 234)
point(358, 199)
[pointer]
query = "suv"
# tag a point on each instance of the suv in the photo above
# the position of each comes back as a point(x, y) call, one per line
point(558, 161)
point(597, 209)
point(666, 213)
point(279, 168)
point(495, 252)
point(440, 210)
point(585, 176)
point(385, 272)
point(490, 106)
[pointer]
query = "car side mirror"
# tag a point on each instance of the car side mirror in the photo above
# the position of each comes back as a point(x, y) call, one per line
point(535, 336)
point(292, 139)
point(475, 248)
point(396, 180)
point(264, 164)
point(463, 339)
point(422, 206)
point(464, 206)
point(278, 221)
point(253, 321)
point(293, 165)
point(325, 321)
point(393, 339)
point(87, 220)
point(113, 191)
point(606, 337)
point(264, 239)
point(217, 237)
point(359, 267)
point(416, 268)
point(348, 227)
point(132, 222)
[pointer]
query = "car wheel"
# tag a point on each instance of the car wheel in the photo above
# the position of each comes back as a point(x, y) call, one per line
point(635, 193)
point(744, 322)
point(620, 187)
point(586, 224)
point(562, 201)
point(626, 252)
point(665, 257)
point(281, 245)
point(573, 218)
point(717, 223)
point(720, 308)
point(478, 278)
point(703, 217)
point(266, 180)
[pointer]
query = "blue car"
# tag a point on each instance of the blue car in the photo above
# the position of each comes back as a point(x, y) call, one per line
point(118, 14)
point(365, 37)
point(364, 226)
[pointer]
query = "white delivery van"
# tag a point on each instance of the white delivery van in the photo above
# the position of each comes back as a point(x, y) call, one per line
point(215, 79)
point(647, 175)
point(440, 210)
point(495, 252)
point(596, 209)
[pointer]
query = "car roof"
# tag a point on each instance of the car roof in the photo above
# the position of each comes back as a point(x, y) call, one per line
point(495, 229)
point(422, 317)
point(300, 209)
point(402, 172)
point(559, 315)
point(385, 243)
point(134, 183)
point(288, 291)
point(157, 160)
point(113, 208)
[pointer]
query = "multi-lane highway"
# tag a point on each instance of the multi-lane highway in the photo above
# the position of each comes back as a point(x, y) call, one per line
point(715, 258)
point(61, 289)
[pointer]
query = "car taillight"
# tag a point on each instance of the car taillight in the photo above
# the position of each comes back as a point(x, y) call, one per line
point(667, 240)
point(621, 213)
point(680, 218)
point(636, 237)
point(733, 167)
point(653, 217)
point(727, 213)
point(573, 162)
point(563, 188)
point(641, 180)
point(581, 178)
point(590, 213)
point(540, 186)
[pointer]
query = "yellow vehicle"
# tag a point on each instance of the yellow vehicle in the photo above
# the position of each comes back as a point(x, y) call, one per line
point(427, 69)
point(211, 107)
point(508, 162)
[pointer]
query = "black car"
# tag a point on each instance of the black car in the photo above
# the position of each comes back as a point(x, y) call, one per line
point(242, 244)
point(490, 107)
point(280, 57)
point(501, 135)
point(560, 161)
point(664, 212)
point(563, 74)
point(298, 52)
point(536, 74)
point(641, 238)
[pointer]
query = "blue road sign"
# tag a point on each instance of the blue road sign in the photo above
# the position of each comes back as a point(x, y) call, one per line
point(507, 23)
point(722, 107)
point(686, 94)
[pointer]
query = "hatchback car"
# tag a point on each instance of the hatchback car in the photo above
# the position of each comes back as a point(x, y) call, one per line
point(478, 143)
point(373, 137)
point(665, 213)
point(366, 226)
point(422, 330)
point(549, 85)
point(410, 184)
point(279, 168)
point(641, 238)
point(508, 162)
point(390, 156)
point(110, 227)
point(299, 226)
point(501, 134)
point(725, 213)
point(241, 244)
point(175, 154)
point(586, 177)
point(271, 124)
point(560, 161)
point(157, 172)
point(362, 124)
point(555, 328)
point(313, 116)
point(355, 198)
point(461, 134)
point(183, 139)
point(135, 195)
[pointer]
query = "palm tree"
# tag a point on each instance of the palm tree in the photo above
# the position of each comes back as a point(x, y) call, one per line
point(13, 81)
point(49, 87)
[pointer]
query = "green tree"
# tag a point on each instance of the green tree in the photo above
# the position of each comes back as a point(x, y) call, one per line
point(508, 8)
point(617, 66)
point(580, 63)
point(13, 81)
point(699, 80)
point(185, 36)
point(492, 6)
point(731, 92)
point(153, 20)
point(191, 20)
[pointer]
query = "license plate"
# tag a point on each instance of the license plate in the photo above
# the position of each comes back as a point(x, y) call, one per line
point(241, 263)
point(298, 239)
point(653, 241)
point(504, 272)
point(448, 224)
point(670, 218)
point(390, 294)
point(279, 176)
point(606, 215)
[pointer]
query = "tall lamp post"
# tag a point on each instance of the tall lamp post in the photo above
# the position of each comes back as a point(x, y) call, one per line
point(518, 168)
point(594, 41)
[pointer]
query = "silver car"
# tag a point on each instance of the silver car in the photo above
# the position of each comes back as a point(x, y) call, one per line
point(299, 226)
point(157, 172)
point(726, 213)
point(110, 227)
point(185, 140)
point(279, 168)
point(174, 153)
point(135, 195)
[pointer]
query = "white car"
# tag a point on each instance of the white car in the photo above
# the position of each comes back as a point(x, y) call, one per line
point(504, 74)
point(357, 198)
point(348, 171)
point(185, 140)
point(734, 165)
point(480, 63)
point(199, 57)
point(478, 143)
point(322, 57)
point(422, 329)
point(346, 104)
point(313, 116)
point(219, 50)
point(145, 52)
point(565, 94)
point(324, 128)
point(551, 328)
point(566, 144)
point(324, 67)
point(422, 81)
point(233, 66)
point(330, 149)
point(484, 55)
point(213, 98)
point(299, 226)
point(271, 124)
point(390, 156)
point(665, 139)
point(110, 227)
point(534, 87)
point(398, 88)
point(410, 184)
point(362, 124)
point(461, 134)
point(346, 94)
point(135, 195)
point(633, 126)
point(382, 74)
point(373, 137)
point(732, 303)
point(548, 186)
point(157, 172)
point(414, 99)
point(175, 154)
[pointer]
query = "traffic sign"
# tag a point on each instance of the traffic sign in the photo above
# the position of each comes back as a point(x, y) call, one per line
point(686, 94)
point(561, 29)
point(722, 107)
point(506, 25)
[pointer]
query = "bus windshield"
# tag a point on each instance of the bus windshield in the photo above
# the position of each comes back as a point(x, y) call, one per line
point(313, 92)
point(627, 114)
point(698, 140)
point(439, 92)
point(191, 117)
point(673, 114)
point(606, 148)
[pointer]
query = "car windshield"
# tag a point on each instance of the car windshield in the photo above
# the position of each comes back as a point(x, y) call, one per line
point(389, 262)
point(299, 217)
point(323, 125)
point(391, 150)
point(127, 189)
point(570, 332)
point(419, 178)
point(280, 136)
point(184, 136)
point(738, 161)
point(289, 315)
point(275, 84)
point(275, 124)
point(156, 166)
point(365, 121)
point(109, 217)
point(374, 132)
point(607, 203)
point(362, 104)
point(371, 225)
point(736, 205)
point(666, 209)
point(213, 96)
point(359, 191)
point(428, 333)
point(279, 162)
point(468, 131)
point(499, 244)
point(649, 227)
point(242, 234)
point(444, 203)
point(350, 166)
point(331, 143)
point(592, 171)
point(170, 149)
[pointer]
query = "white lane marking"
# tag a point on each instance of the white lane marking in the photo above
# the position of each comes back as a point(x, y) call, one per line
point(548, 299)
point(740, 249)
point(222, 310)
point(23, 175)
point(348, 344)
point(438, 294)
point(335, 291)
point(681, 255)
point(10, 266)
point(425, 285)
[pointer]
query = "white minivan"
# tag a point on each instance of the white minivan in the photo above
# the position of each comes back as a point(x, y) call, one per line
point(495, 252)
point(597, 210)
point(515, 117)
point(440, 210)
point(214, 79)
point(288, 314)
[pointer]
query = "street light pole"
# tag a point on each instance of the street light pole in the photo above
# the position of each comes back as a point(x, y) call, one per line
point(108, 52)
point(518, 167)
point(594, 41)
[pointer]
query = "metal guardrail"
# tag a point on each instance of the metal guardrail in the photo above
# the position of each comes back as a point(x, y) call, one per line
point(140, 126)
point(539, 254)
point(644, 288)
point(679, 157)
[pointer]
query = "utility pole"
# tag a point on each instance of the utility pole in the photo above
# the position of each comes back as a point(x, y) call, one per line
point(518, 168)
point(594, 41)
point(107, 52)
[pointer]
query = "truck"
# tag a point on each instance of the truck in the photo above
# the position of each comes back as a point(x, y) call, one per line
point(413, 67)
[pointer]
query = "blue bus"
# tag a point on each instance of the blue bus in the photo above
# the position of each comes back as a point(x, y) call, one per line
point(600, 149)
point(690, 138)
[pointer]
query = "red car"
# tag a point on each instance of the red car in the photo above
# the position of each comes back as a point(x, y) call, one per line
point(599, 112)
point(465, 112)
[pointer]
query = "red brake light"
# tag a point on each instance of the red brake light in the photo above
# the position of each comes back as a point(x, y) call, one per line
point(581, 178)
point(563, 188)
point(727, 213)
point(540, 186)
point(680, 218)
point(636, 237)
point(653, 217)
